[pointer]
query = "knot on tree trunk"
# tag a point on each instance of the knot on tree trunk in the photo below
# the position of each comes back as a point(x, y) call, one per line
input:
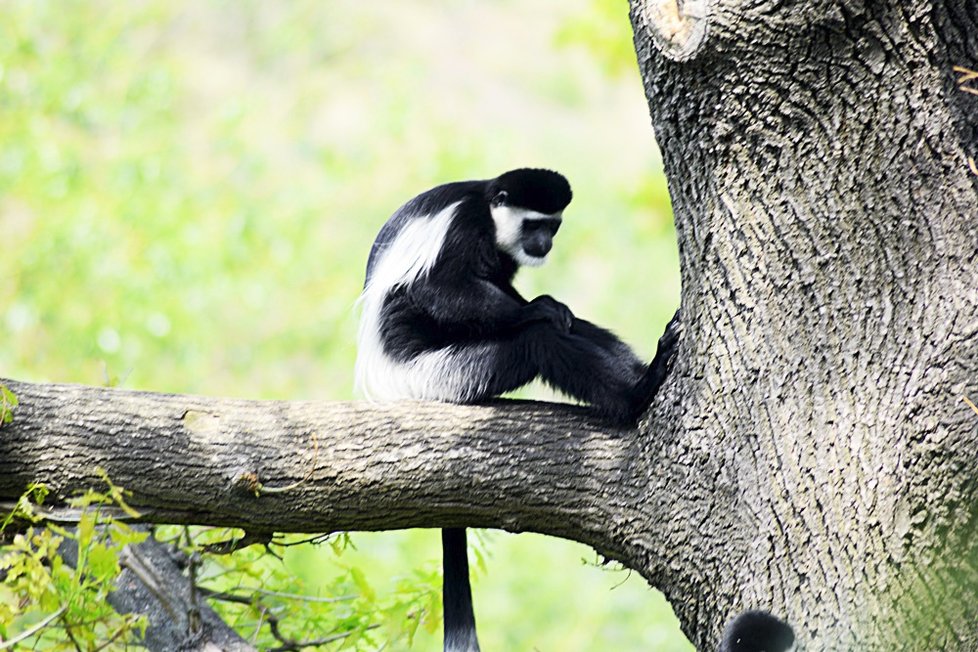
point(678, 27)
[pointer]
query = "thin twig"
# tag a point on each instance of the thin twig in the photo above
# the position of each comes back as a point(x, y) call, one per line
point(69, 515)
point(71, 636)
point(27, 633)
point(224, 596)
point(261, 621)
point(233, 545)
point(967, 74)
point(288, 643)
point(970, 404)
point(194, 621)
point(237, 597)
point(306, 598)
point(316, 540)
point(298, 645)
point(123, 628)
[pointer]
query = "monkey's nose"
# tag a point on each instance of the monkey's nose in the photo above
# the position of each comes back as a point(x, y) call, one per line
point(538, 248)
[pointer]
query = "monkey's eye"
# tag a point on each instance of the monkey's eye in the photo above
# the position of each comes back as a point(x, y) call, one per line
point(500, 198)
point(551, 225)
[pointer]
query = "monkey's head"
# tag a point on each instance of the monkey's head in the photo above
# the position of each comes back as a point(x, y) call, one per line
point(526, 206)
point(757, 631)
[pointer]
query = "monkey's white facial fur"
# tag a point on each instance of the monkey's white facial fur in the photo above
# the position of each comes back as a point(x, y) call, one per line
point(509, 231)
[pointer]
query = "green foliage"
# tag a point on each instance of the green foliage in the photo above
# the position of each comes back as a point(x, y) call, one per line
point(7, 404)
point(24, 509)
point(603, 28)
point(346, 608)
point(39, 588)
point(188, 191)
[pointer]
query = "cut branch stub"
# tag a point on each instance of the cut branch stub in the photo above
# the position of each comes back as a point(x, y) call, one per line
point(678, 27)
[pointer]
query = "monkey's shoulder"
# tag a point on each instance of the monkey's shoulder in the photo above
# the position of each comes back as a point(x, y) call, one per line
point(423, 207)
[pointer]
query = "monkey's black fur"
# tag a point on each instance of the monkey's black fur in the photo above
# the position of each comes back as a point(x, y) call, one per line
point(467, 301)
point(757, 631)
point(456, 594)
point(451, 326)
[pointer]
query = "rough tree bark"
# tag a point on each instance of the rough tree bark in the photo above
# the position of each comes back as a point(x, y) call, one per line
point(809, 454)
point(816, 153)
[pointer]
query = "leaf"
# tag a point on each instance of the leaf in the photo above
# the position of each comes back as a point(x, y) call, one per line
point(24, 510)
point(117, 494)
point(85, 530)
point(360, 580)
point(7, 404)
point(103, 562)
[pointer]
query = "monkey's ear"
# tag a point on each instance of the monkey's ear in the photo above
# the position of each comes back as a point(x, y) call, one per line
point(500, 198)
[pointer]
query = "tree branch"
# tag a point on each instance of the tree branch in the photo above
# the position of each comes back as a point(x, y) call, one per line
point(331, 466)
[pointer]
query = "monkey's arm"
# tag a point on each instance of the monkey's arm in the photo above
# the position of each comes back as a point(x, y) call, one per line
point(480, 308)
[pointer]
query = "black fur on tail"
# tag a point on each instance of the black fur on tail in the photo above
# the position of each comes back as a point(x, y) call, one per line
point(457, 594)
point(757, 631)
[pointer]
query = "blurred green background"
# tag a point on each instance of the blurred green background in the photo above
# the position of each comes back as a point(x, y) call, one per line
point(188, 191)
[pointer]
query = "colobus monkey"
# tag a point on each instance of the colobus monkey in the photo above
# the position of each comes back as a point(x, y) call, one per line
point(757, 631)
point(441, 320)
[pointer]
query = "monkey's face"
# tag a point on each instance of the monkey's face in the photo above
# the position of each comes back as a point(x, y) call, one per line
point(524, 234)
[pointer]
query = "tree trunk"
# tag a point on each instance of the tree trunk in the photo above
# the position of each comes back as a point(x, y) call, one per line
point(824, 464)
point(809, 454)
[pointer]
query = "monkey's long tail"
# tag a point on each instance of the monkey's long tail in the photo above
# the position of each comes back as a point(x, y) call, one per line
point(457, 594)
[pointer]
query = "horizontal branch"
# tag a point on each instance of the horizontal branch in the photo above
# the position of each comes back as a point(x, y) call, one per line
point(326, 466)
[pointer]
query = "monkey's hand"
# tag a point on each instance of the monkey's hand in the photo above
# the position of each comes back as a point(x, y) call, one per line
point(664, 356)
point(655, 374)
point(669, 339)
point(546, 308)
